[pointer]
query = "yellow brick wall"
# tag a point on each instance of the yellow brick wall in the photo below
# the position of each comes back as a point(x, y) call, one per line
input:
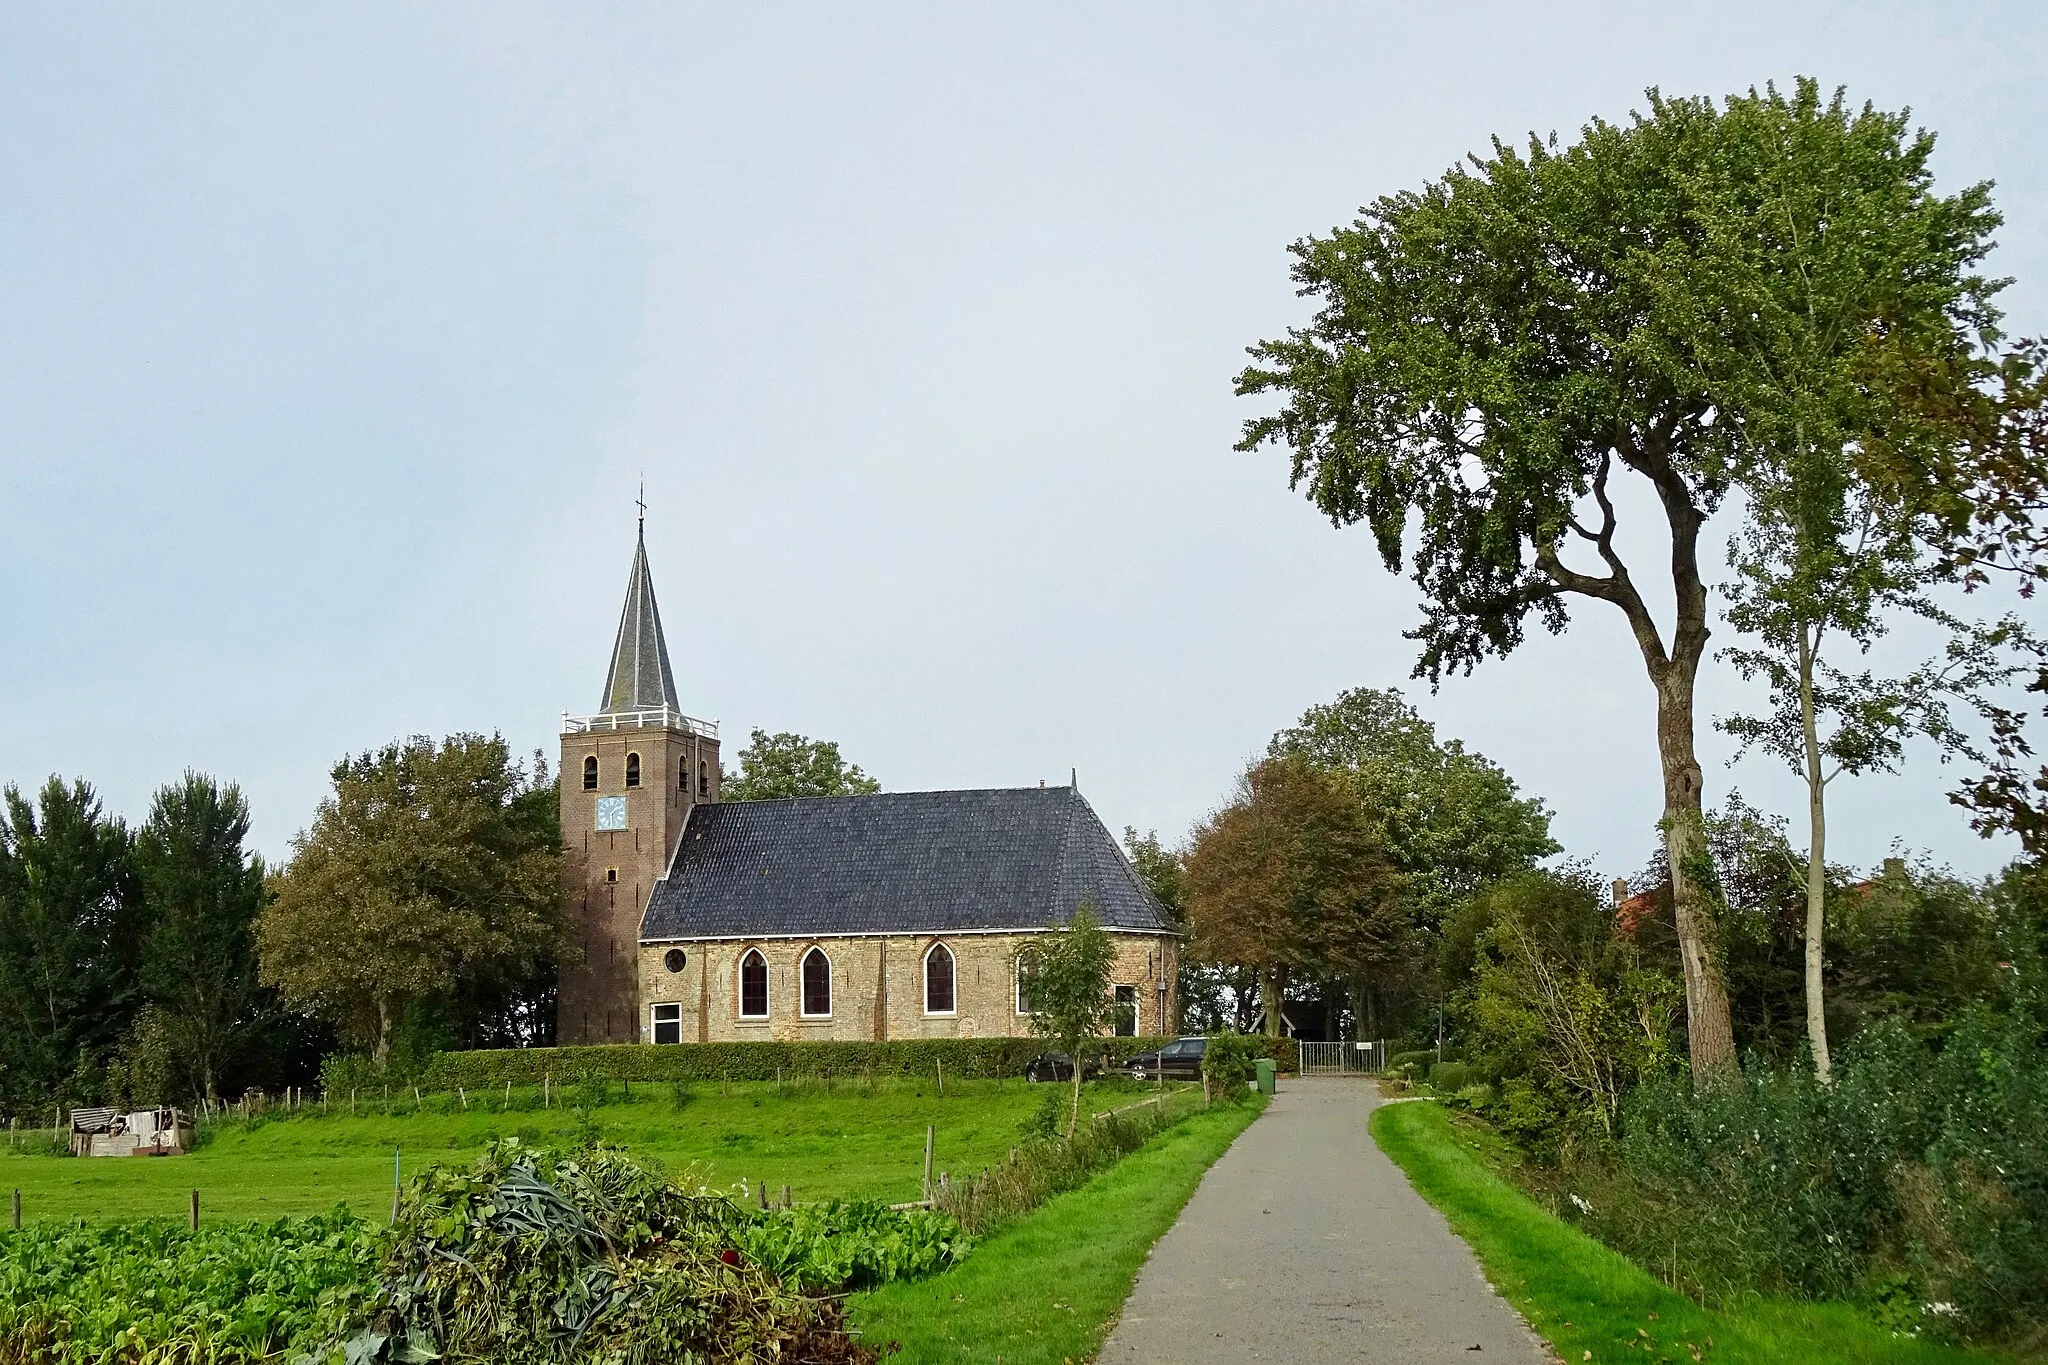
point(878, 987)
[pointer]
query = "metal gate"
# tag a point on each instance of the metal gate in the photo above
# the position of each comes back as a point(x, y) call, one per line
point(1343, 1059)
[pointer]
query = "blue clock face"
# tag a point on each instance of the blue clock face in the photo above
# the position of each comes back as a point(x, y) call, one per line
point(611, 812)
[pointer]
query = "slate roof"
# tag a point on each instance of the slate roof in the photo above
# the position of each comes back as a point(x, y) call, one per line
point(639, 678)
point(896, 862)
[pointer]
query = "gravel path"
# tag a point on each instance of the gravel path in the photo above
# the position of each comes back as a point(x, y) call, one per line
point(1305, 1243)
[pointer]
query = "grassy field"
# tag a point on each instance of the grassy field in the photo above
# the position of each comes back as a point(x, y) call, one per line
point(1044, 1291)
point(854, 1139)
point(1592, 1304)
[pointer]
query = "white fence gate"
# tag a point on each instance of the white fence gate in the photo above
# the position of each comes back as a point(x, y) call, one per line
point(1343, 1059)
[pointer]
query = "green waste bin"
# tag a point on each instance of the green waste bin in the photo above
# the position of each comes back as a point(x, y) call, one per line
point(1269, 1073)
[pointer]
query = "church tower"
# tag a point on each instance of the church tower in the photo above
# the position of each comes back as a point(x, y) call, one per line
point(631, 774)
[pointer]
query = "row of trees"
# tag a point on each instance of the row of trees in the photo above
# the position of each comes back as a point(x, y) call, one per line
point(1759, 312)
point(420, 909)
point(127, 957)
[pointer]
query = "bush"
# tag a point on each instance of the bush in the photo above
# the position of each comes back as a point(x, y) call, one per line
point(1916, 1162)
point(1448, 1078)
point(1421, 1060)
point(1042, 1168)
point(1227, 1067)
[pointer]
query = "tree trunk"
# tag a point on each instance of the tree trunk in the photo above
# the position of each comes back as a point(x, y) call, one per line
point(1074, 1114)
point(1816, 866)
point(1269, 993)
point(1710, 1035)
point(383, 1048)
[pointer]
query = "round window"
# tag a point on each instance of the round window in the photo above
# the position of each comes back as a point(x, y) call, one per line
point(675, 959)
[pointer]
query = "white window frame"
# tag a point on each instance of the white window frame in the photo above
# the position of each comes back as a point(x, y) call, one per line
point(739, 982)
point(803, 989)
point(655, 1021)
point(1023, 960)
point(925, 981)
point(1137, 1009)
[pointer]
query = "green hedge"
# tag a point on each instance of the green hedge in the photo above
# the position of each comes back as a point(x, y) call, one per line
point(965, 1058)
point(1450, 1077)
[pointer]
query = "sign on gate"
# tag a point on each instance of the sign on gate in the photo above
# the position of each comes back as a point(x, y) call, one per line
point(1343, 1059)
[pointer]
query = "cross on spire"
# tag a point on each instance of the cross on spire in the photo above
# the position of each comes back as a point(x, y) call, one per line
point(641, 503)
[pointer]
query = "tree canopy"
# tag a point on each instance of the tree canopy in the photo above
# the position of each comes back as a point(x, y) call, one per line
point(202, 892)
point(1069, 988)
point(1677, 302)
point(429, 869)
point(779, 766)
point(1454, 821)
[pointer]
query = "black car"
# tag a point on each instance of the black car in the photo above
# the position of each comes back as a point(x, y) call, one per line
point(1180, 1059)
point(1058, 1066)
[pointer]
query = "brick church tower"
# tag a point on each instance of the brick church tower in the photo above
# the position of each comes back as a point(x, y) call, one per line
point(631, 774)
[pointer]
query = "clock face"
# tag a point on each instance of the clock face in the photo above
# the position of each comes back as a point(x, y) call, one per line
point(611, 812)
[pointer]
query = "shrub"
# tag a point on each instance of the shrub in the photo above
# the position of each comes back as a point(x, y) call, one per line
point(1918, 1161)
point(1448, 1078)
point(1044, 1167)
point(1227, 1065)
point(490, 1069)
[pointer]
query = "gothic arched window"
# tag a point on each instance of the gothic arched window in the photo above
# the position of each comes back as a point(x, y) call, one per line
point(817, 975)
point(938, 980)
point(632, 770)
point(590, 773)
point(753, 985)
point(703, 778)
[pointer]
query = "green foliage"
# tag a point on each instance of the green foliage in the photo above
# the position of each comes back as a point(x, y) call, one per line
point(1448, 1078)
point(431, 869)
point(964, 1058)
point(1227, 1065)
point(536, 1256)
point(1589, 1302)
point(1045, 1120)
point(152, 1290)
point(780, 766)
point(1917, 1160)
point(1557, 1001)
point(1050, 1164)
point(858, 1245)
point(1454, 820)
point(1070, 1001)
point(70, 941)
point(201, 891)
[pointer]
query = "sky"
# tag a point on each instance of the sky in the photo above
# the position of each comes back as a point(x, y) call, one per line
point(338, 340)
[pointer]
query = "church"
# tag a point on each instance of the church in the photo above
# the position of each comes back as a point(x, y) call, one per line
point(894, 915)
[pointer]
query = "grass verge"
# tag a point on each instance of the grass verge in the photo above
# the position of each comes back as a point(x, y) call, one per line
point(1044, 1290)
point(1591, 1303)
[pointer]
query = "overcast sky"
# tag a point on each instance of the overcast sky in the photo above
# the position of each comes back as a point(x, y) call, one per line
point(334, 344)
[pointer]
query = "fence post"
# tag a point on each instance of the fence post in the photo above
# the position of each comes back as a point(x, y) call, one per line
point(930, 1132)
point(787, 1202)
point(195, 1210)
point(942, 1078)
point(17, 1210)
point(394, 1185)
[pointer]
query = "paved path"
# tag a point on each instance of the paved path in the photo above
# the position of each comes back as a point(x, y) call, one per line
point(1305, 1243)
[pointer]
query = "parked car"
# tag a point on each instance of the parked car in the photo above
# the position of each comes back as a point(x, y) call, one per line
point(1058, 1066)
point(1180, 1059)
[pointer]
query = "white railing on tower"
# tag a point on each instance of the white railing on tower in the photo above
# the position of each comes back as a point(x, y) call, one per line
point(658, 718)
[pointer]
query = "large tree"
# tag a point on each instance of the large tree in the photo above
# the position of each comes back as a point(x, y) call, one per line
point(1454, 820)
point(202, 892)
point(779, 766)
point(427, 869)
point(1507, 361)
point(70, 931)
point(1295, 874)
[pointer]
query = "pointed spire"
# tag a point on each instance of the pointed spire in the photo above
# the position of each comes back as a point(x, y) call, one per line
point(640, 679)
